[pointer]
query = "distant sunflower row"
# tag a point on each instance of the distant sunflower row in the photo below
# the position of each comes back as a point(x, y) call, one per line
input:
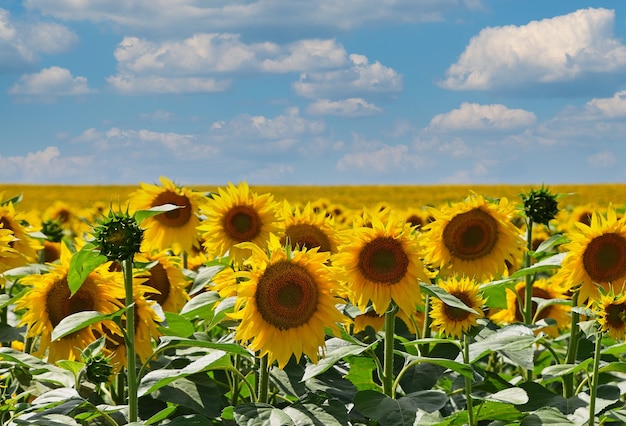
point(297, 272)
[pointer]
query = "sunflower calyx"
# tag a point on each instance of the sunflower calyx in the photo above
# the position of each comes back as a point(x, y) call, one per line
point(53, 230)
point(118, 236)
point(540, 205)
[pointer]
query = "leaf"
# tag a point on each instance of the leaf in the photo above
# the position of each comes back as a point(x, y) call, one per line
point(361, 373)
point(176, 325)
point(188, 420)
point(446, 297)
point(514, 341)
point(80, 320)
point(550, 243)
point(336, 349)
point(513, 396)
point(170, 342)
point(82, 264)
point(398, 412)
point(198, 397)
point(161, 415)
point(330, 413)
point(559, 370)
point(459, 367)
point(204, 277)
point(258, 414)
point(156, 379)
point(545, 265)
point(140, 215)
point(200, 305)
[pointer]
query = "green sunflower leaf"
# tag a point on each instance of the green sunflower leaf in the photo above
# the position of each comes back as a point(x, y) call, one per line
point(82, 264)
point(446, 297)
point(80, 320)
point(140, 215)
point(258, 414)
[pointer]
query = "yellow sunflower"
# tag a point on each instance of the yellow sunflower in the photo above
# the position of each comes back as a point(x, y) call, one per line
point(306, 228)
point(381, 263)
point(611, 311)
point(236, 215)
point(543, 289)
point(173, 230)
point(595, 257)
point(22, 243)
point(453, 321)
point(474, 238)
point(285, 302)
point(7, 240)
point(164, 274)
point(48, 301)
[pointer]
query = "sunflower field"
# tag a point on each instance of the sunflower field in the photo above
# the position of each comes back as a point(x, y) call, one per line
point(163, 304)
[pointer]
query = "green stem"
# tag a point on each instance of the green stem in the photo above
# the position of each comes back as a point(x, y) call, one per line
point(572, 349)
point(425, 348)
point(390, 321)
point(528, 297)
point(264, 379)
point(131, 368)
point(468, 382)
point(594, 379)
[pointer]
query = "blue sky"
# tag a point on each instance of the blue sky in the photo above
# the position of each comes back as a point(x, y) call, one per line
point(312, 92)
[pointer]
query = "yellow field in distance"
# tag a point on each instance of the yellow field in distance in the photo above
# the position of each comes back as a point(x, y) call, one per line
point(40, 197)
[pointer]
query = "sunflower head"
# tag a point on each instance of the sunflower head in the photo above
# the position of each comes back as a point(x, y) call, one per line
point(452, 320)
point(118, 236)
point(540, 205)
point(611, 311)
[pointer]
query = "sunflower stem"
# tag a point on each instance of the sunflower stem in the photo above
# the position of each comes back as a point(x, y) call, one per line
point(528, 298)
point(424, 349)
point(593, 392)
point(572, 348)
point(264, 380)
point(131, 369)
point(468, 382)
point(390, 321)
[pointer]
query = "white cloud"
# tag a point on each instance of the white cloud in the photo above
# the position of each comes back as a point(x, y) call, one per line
point(135, 85)
point(609, 107)
point(21, 43)
point(352, 107)
point(43, 166)
point(386, 159)
point(471, 116)
point(554, 50)
point(602, 160)
point(193, 16)
point(362, 77)
point(53, 81)
point(289, 125)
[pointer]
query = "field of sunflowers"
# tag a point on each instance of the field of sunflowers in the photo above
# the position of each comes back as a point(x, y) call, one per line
point(161, 304)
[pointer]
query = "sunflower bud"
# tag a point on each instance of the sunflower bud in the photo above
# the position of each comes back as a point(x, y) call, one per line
point(98, 369)
point(118, 236)
point(540, 205)
point(53, 230)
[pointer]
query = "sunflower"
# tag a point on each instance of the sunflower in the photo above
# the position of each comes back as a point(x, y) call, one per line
point(453, 321)
point(285, 302)
point(595, 256)
point(474, 238)
point(173, 230)
point(162, 272)
point(542, 289)
point(7, 251)
point(611, 311)
point(22, 243)
point(306, 228)
point(381, 263)
point(49, 301)
point(236, 215)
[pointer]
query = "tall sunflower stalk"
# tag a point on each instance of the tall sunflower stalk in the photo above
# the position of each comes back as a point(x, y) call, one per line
point(119, 237)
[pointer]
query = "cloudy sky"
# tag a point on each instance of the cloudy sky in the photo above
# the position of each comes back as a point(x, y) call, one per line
point(312, 92)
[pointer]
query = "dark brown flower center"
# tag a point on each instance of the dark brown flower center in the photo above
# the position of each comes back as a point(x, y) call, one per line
point(159, 281)
point(383, 261)
point(177, 217)
point(307, 236)
point(604, 258)
point(59, 304)
point(242, 223)
point(455, 314)
point(286, 295)
point(471, 235)
point(615, 315)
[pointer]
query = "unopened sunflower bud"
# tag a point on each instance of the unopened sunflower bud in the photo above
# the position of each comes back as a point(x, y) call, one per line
point(98, 369)
point(118, 236)
point(540, 205)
